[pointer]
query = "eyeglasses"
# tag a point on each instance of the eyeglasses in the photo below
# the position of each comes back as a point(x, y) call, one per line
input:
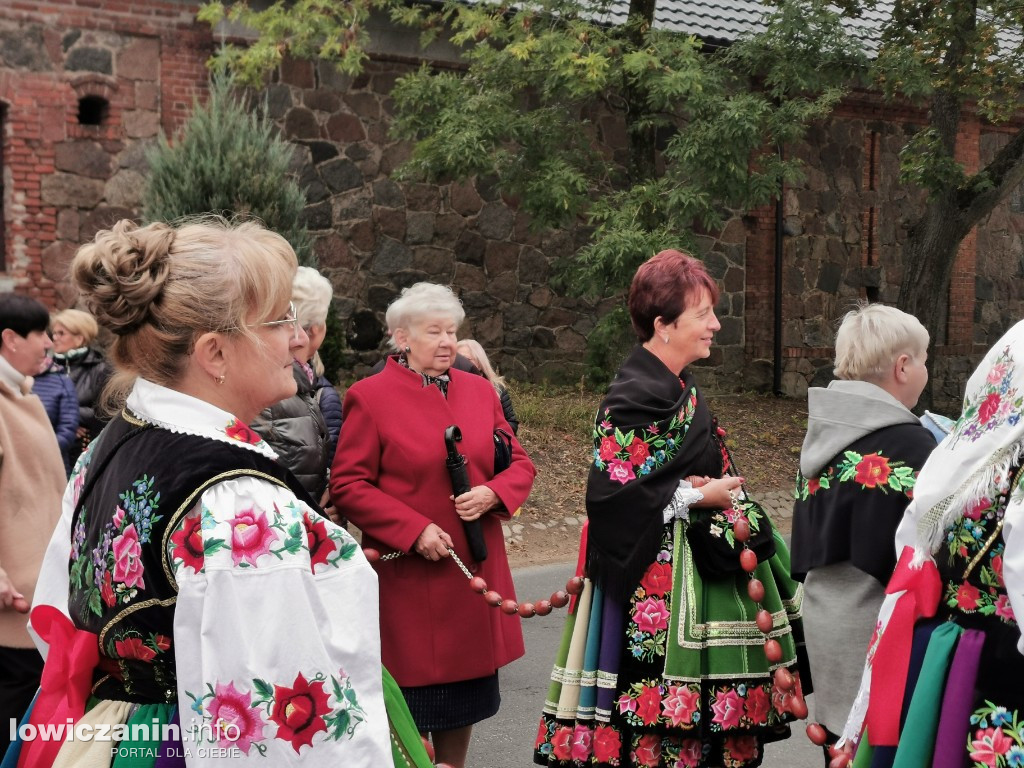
point(289, 318)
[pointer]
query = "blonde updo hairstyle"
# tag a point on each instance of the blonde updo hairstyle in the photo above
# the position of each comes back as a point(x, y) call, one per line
point(870, 339)
point(157, 288)
point(78, 323)
point(418, 301)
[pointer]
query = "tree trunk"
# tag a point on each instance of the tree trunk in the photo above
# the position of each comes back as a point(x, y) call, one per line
point(642, 141)
point(928, 256)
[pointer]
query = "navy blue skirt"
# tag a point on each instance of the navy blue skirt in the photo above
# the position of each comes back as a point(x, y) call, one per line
point(445, 706)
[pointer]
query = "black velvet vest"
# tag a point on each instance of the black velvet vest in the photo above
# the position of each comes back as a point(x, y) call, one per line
point(134, 490)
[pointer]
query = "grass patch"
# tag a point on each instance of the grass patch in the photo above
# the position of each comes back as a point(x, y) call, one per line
point(546, 408)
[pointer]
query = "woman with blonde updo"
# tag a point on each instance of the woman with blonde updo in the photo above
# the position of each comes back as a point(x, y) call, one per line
point(192, 586)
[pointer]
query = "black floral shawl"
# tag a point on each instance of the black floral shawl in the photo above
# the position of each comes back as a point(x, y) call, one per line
point(652, 430)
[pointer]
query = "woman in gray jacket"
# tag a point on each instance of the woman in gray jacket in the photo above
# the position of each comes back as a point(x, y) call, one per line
point(295, 427)
point(858, 466)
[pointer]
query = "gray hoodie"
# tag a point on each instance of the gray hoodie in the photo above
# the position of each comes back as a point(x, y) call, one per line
point(843, 412)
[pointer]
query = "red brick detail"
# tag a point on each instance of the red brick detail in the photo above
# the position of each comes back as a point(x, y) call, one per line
point(40, 110)
point(814, 352)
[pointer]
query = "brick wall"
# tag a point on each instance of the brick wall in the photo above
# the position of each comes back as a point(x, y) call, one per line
point(64, 180)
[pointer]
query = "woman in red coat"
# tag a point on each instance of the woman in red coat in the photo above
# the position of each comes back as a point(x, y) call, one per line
point(441, 641)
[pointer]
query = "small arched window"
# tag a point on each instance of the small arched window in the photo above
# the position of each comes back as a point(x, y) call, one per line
point(93, 110)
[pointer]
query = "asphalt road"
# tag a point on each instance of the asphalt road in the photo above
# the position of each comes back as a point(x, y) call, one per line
point(506, 740)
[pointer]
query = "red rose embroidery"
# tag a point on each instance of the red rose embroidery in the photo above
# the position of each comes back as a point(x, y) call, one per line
point(251, 536)
point(162, 642)
point(134, 648)
point(319, 543)
point(658, 579)
point(638, 452)
point(608, 448)
point(299, 711)
point(607, 744)
point(873, 470)
point(620, 471)
point(741, 748)
point(648, 705)
point(648, 750)
point(542, 734)
point(188, 543)
point(728, 707)
point(757, 706)
point(236, 430)
point(997, 568)
point(107, 591)
point(967, 597)
point(561, 743)
point(813, 485)
point(988, 407)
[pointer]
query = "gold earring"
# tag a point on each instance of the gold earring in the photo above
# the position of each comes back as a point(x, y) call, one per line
point(220, 379)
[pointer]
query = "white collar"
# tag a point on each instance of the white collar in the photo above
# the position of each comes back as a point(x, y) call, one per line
point(183, 414)
point(14, 379)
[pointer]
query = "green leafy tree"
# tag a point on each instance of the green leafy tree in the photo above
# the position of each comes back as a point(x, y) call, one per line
point(703, 126)
point(954, 60)
point(950, 58)
point(229, 160)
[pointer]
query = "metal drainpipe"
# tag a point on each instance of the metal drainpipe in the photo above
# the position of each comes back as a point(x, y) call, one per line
point(777, 324)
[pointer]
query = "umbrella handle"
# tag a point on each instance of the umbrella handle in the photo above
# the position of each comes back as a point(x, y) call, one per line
point(452, 435)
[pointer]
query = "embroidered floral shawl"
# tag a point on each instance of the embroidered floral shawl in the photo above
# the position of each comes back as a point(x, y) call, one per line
point(652, 430)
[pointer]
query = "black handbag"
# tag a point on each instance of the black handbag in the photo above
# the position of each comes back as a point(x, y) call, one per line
point(712, 539)
point(502, 450)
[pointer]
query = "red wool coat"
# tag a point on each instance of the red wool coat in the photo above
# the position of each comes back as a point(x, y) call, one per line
point(389, 479)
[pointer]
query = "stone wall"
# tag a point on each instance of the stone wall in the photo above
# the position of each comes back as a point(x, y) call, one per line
point(374, 235)
point(844, 228)
point(85, 91)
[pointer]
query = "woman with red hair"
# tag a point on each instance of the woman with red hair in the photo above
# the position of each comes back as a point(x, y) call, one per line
point(664, 659)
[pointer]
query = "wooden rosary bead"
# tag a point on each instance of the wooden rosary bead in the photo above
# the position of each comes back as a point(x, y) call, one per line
point(477, 584)
point(559, 599)
point(798, 708)
point(816, 733)
point(526, 610)
point(574, 586)
point(773, 651)
point(492, 598)
point(784, 679)
point(756, 590)
point(765, 621)
point(509, 606)
point(543, 607)
point(748, 560)
point(741, 529)
point(371, 555)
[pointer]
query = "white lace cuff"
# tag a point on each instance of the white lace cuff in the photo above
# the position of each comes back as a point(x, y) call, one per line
point(679, 505)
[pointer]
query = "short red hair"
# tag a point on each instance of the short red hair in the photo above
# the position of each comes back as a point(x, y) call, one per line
point(664, 286)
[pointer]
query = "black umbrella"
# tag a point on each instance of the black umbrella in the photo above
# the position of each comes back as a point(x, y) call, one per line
point(456, 464)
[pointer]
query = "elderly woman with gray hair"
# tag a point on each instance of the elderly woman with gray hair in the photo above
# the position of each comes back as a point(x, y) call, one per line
point(440, 640)
point(296, 427)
